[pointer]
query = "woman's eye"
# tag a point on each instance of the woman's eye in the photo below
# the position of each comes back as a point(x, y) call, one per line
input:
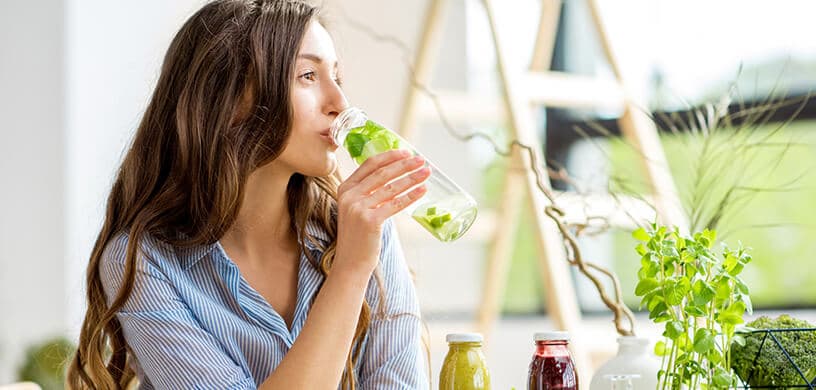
point(309, 76)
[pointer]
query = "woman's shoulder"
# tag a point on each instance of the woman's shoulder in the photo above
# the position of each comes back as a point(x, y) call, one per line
point(151, 252)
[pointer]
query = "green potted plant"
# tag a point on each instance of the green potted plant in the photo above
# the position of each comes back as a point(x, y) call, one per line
point(698, 294)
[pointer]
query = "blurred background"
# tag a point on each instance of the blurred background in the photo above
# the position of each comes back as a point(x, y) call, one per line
point(75, 76)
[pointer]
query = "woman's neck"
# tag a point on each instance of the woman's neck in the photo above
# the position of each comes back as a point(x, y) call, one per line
point(263, 224)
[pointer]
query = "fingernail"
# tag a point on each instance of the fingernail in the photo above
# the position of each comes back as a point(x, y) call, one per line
point(422, 172)
point(418, 159)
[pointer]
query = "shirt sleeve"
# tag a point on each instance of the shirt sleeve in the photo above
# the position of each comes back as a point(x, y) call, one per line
point(394, 355)
point(171, 347)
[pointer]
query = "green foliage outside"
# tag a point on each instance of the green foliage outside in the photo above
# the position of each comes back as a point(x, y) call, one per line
point(777, 226)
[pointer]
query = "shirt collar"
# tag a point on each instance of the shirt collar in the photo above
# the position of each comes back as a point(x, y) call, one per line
point(189, 256)
point(318, 233)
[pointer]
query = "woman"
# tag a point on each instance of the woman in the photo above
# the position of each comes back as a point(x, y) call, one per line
point(231, 257)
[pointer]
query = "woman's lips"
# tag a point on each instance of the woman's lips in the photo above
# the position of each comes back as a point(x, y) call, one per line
point(326, 134)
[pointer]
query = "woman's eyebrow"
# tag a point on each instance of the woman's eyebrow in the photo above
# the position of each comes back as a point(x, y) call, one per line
point(314, 57)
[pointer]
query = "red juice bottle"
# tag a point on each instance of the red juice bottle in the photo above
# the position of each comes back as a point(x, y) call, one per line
point(552, 366)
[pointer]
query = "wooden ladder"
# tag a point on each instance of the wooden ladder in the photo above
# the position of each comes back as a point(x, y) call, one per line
point(522, 94)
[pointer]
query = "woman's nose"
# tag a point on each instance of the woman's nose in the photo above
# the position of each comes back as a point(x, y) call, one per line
point(337, 101)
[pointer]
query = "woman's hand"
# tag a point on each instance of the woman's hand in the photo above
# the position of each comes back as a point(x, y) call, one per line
point(372, 194)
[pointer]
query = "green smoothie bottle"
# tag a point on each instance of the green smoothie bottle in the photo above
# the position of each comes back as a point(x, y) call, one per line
point(464, 367)
point(446, 210)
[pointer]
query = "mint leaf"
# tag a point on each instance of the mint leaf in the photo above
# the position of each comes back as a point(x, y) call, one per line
point(373, 127)
point(354, 144)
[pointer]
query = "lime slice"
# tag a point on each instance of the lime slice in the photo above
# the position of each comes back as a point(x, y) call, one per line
point(438, 222)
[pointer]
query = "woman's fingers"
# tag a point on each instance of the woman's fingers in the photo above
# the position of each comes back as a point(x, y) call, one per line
point(386, 174)
point(383, 185)
point(395, 205)
point(372, 164)
point(392, 189)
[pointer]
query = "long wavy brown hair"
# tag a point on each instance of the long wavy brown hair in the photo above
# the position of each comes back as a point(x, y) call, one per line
point(220, 110)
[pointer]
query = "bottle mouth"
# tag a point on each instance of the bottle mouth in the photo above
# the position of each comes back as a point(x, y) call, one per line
point(345, 120)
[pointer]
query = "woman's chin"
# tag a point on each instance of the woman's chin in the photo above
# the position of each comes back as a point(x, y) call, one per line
point(327, 168)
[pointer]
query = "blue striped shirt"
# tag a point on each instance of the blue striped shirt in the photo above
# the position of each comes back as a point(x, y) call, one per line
point(193, 322)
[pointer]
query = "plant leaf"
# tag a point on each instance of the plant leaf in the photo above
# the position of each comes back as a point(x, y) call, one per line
point(355, 142)
point(702, 292)
point(660, 348)
point(703, 341)
point(675, 293)
point(645, 286)
point(674, 329)
point(694, 311)
point(641, 235)
point(723, 290)
point(722, 378)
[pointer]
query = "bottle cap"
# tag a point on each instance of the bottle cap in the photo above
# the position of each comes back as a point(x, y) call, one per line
point(464, 338)
point(551, 336)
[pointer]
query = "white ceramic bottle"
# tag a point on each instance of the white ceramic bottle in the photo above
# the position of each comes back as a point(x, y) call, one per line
point(635, 358)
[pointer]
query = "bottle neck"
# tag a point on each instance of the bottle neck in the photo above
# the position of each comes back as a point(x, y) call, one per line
point(350, 118)
point(632, 345)
point(461, 346)
point(552, 348)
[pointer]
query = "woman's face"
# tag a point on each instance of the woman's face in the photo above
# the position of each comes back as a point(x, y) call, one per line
point(316, 100)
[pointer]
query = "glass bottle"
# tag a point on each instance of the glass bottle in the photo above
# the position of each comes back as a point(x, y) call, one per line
point(446, 210)
point(552, 366)
point(464, 367)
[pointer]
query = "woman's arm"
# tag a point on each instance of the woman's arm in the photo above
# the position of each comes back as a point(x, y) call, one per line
point(366, 200)
point(395, 357)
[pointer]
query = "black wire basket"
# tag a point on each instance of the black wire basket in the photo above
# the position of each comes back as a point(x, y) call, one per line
point(770, 341)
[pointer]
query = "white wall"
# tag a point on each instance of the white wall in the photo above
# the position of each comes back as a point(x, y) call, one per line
point(74, 78)
point(32, 213)
point(114, 52)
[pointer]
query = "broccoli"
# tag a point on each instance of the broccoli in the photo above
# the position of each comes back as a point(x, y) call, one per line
point(772, 367)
